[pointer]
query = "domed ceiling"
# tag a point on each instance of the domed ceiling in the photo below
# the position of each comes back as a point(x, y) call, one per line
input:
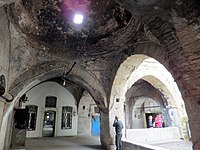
point(51, 21)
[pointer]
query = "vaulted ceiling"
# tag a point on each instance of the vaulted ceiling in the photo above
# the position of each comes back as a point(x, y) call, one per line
point(47, 43)
point(40, 42)
point(51, 22)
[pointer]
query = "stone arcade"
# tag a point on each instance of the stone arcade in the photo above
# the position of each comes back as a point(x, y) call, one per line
point(73, 72)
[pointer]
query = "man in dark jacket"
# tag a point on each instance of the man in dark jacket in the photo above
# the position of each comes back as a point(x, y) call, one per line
point(118, 130)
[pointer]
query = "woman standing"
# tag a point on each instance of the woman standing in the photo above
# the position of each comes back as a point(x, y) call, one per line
point(158, 121)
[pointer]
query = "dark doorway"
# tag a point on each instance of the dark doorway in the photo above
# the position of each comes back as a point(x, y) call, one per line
point(19, 128)
point(147, 118)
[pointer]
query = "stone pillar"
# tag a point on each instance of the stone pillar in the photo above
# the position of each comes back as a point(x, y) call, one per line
point(193, 107)
point(6, 126)
point(117, 109)
point(105, 135)
point(3, 124)
point(2, 105)
point(9, 129)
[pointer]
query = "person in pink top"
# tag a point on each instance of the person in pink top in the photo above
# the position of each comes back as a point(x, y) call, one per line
point(158, 121)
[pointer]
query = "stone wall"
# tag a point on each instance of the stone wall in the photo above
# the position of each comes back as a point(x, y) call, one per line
point(85, 112)
point(153, 135)
point(4, 43)
point(4, 2)
point(127, 145)
point(37, 95)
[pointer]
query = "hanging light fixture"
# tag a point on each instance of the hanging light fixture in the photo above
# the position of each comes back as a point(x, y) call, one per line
point(64, 83)
point(64, 77)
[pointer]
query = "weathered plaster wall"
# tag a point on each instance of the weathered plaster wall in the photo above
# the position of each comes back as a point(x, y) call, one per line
point(37, 95)
point(2, 107)
point(85, 112)
point(4, 44)
point(23, 58)
point(138, 113)
point(5, 131)
point(8, 131)
point(4, 2)
point(4, 67)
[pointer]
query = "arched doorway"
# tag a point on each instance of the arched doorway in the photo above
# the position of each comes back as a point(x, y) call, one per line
point(143, 108)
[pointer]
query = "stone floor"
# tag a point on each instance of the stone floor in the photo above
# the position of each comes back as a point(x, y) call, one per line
point(176, 145)
point(64, 143)
point(89, 143)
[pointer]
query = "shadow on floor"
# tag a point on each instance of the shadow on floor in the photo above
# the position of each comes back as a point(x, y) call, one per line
point(94, 147)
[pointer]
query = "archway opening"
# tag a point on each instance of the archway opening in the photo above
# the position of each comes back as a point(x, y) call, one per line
point(132, 95)
point(57, 112)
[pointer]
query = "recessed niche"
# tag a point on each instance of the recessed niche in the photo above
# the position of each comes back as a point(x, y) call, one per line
point(117, 99)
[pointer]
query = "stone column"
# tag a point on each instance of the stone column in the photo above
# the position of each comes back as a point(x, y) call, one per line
point(192, 107)
point(105, 135)
point(117, 109)
point(3, 128)
point(6, 124)
point(2, 105)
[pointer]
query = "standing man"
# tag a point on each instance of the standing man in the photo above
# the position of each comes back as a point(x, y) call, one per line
point(118, 130)
point(150, 121)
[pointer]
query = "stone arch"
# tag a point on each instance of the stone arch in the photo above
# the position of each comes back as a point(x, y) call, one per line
point(131, 63)
point(38, 74)
point(134, 74)
point(181, 47)
point(135, 56)
point(142, 88)
point(136, 107)
point(138, 97)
